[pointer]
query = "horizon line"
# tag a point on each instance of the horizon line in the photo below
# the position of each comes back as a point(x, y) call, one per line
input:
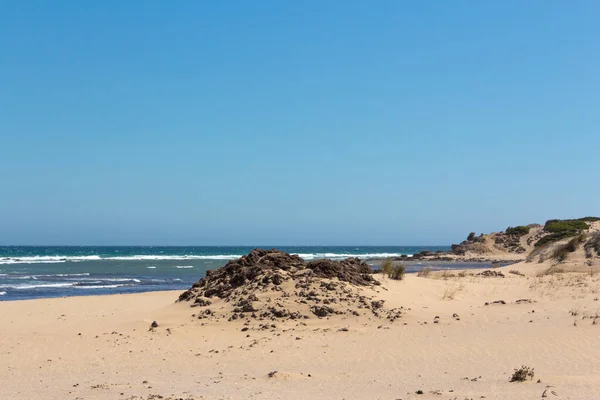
point(221, 245)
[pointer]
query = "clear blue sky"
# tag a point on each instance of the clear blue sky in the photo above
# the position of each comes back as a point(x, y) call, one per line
point(307, 122)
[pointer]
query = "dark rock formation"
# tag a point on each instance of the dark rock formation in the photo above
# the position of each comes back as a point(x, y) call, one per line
point(351, 270)
point(509, 243)
point(260, 267)
point(491, 274)
point(312, 288)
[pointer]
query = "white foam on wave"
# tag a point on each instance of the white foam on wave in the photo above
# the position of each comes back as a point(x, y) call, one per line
point(2, 293)
point(101, 286)
point(173, 258)
point(120, 280)
point(312, 256)
point(12, 261)
point(152, 267)
point(42, 285)
point(63, 259)
point(183, 266)
point(50, 276)
point(78, 285)
point(47, 259)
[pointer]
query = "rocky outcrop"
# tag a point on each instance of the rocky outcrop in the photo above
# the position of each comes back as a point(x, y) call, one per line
point(518, 243)
point(270, 268)
point(509, 243)
point(473, 244)
point(351, 270)
point(273, 285)
point(260, 268)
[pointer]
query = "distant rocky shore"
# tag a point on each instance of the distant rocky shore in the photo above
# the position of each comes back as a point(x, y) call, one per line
point(449, 257)
point(515, 244)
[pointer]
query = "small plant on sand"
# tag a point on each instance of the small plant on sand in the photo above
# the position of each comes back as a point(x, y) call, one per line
point(522, 374)
point(574, 312)
point(451, 291)
point(424, 272)
point(387, 268)
point(398, 272)
point(447, 274)
point(515, 272)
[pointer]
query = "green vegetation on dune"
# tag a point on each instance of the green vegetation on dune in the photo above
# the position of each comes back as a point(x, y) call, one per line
point(517, 230)
point(564, 228)
point(589, 219)
point(558, 225)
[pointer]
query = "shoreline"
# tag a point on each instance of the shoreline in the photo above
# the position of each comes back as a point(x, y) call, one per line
point(412, 267)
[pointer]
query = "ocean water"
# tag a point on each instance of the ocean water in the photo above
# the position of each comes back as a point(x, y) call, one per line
point(28, 272)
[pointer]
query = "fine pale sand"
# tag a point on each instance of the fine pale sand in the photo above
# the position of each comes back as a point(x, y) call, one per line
point(101, 347)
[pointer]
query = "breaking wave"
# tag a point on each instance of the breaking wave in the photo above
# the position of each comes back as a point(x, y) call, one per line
point(64, 259)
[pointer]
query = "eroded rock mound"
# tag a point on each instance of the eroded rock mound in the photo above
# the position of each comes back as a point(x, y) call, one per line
point(351, 270)
point(473, 244)
point(260, 268)
point(274, 285)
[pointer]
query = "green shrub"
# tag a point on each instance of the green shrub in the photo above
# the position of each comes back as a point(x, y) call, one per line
point(398, 272)
point(561, 229)
point(590, 219)
point(517, 230)
point(557, 225)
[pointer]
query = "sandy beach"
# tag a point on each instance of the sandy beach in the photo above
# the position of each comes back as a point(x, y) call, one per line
point(448, 344)
point(279, 200)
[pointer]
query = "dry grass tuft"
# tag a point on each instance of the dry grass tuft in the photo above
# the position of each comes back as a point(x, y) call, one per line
point(592, 245)
point(551, 271)
point(447, 274)
point(574, 312)
point(398, 272)
point(387, 267)
point(424, 272)
point(451, 291)
point(522, 374)
point(561, 252)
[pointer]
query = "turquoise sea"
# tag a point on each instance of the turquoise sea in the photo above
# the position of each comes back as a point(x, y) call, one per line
point(28, 272)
